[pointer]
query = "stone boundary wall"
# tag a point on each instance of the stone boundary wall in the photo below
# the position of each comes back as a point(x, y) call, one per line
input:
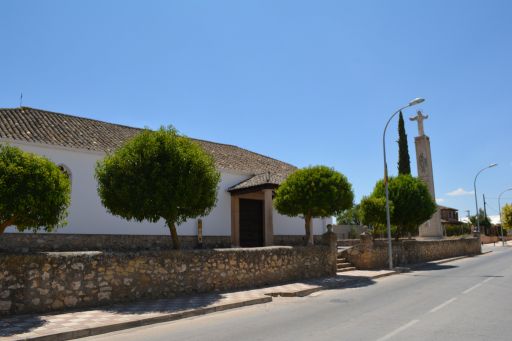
point(294, 240)
point(42, 282)
point(50, 242)
point(493, 239)
point(42, 242)
point(373, 254)
point(343, 231)
point(348, 242)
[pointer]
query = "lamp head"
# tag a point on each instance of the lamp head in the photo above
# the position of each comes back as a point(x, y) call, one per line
point(493, 165)
point(416, 101)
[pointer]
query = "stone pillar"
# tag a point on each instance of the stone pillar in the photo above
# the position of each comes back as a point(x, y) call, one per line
point(431, 228)
point(330, 239)
point(269, 218)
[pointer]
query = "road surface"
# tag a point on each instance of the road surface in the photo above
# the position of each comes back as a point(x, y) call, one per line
point(468, 299)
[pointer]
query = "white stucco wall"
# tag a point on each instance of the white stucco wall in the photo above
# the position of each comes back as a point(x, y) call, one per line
point(284, 225)
point(87, 215)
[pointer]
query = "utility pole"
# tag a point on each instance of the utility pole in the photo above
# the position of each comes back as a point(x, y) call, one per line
point(469, 222)
point(485, 207)
point(485, 211)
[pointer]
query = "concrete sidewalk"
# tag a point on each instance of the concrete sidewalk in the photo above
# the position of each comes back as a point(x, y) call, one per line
point(71, 325)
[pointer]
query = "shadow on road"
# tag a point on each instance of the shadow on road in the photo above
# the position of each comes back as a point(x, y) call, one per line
point(341, 281)
point(433, 267)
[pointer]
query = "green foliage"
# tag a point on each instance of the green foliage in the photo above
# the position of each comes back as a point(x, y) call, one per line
point(404, 162)
point(457, 230)
point(35, 194)
point(506, 214)
point(158, 175)
point(381, 231)
point(314, 192)
point(485, 222)
point(411, 200)
point(372, 211)
point(349, 216)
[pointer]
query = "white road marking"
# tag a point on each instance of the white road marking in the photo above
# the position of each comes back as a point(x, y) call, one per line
point(476, 285)
point(443, 305)
point(396, 331)
point(472, 288)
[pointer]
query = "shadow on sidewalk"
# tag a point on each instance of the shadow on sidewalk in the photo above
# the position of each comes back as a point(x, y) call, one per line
point(20, 324)
point(166, 305)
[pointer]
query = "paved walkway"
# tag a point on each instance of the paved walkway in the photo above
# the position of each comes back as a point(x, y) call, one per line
point(65, 326)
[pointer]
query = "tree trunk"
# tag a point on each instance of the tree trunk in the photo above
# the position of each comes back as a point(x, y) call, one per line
point(6, 224)
point(174, 235)
point(309, 232)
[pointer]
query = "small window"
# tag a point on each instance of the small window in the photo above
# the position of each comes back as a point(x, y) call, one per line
point(65, 170)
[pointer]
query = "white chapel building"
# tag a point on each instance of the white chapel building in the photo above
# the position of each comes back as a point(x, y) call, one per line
point(244, 213)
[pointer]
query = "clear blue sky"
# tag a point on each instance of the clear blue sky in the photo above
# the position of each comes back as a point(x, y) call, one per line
point(307, 82)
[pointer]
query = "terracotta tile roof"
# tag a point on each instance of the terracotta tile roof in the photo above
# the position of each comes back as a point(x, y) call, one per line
point(46, 127)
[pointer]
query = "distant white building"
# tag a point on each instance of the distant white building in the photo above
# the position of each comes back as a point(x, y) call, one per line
point(244, 208)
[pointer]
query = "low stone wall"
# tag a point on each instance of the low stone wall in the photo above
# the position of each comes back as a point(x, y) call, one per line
point(345, 231)
point(294, 240)
point(43, 282)
point(493, 239)
point(41, 242)
point(348, 242)
point(50, 242)
point(373, 254)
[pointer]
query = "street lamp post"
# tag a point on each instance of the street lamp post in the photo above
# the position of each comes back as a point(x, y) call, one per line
point(476, 198)
point(501, 219)
point(388, 218)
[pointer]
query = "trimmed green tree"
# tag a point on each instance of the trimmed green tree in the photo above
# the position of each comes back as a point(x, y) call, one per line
point(35, 194)
point(404, 161)
point(313, 192)
point(372, 211)
point(506, 213)
point(411, 200)
point(158, 175)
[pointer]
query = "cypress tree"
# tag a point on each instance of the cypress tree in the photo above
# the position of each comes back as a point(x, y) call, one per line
point(404, 162)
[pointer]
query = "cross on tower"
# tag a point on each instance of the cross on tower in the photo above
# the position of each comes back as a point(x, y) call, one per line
point(419, 117)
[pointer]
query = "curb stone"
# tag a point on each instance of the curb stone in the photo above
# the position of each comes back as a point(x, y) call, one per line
point(299, 293)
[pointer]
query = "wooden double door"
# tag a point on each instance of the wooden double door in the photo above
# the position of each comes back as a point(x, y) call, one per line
point(251, 223)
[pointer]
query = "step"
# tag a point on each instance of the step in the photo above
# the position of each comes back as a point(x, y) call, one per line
point(343, 265)
point(346, 269)
point(341, 260)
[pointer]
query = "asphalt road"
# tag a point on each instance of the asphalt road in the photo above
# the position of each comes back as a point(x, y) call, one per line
point(468, 299)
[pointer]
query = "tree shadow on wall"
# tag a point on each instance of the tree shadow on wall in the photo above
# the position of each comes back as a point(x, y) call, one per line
point(20, 324)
